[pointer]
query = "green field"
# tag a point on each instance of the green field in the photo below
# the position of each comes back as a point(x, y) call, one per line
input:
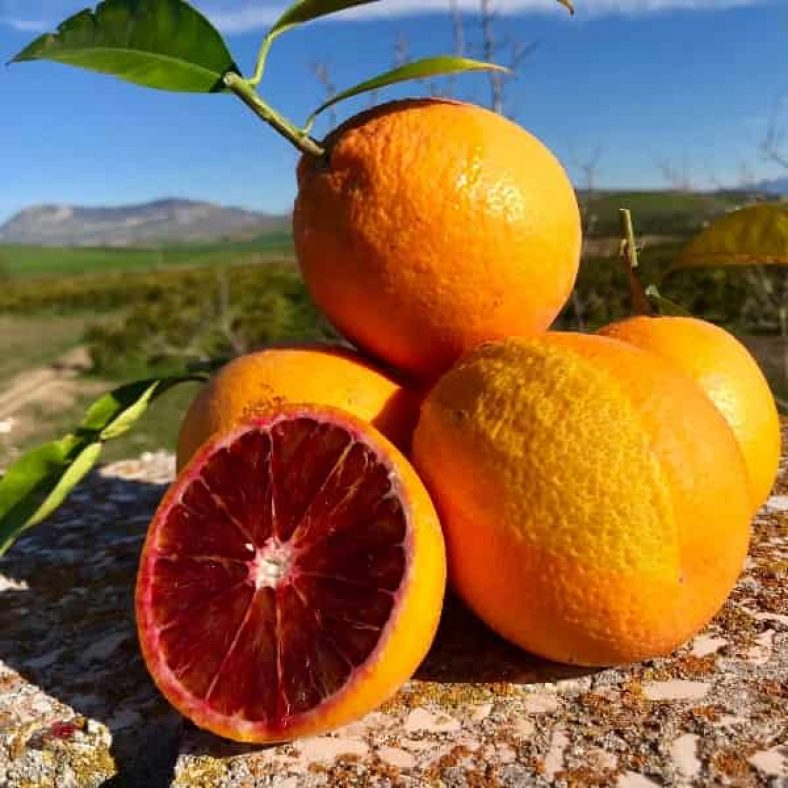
point(144, 311)
point(663, 213)
point(26, 261)
point(30, 342)
point(666, 213)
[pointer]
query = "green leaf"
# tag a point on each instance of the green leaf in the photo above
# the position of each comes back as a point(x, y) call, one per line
point(163, 44)
point(306, 10)
point(301, 11)
point(39, 481)
point(664, 305)
point(115, 413)
point(417, 69)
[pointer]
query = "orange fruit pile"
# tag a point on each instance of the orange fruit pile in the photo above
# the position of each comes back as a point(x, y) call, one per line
point(594, 493)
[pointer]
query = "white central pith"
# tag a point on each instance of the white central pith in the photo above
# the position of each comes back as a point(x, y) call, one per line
point(271, 564)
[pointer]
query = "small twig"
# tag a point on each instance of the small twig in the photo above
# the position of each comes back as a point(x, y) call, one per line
point(322, 72)
point(772, 144)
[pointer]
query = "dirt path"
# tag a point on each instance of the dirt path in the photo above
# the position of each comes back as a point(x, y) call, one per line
point(54, 385)
point(35, 397)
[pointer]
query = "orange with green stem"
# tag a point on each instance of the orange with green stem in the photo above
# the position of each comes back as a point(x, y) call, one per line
point(169, 45)
point(421, 227)
point(719, 364)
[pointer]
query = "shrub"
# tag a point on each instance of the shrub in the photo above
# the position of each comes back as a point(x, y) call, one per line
point(216, 314)
point(726, 296)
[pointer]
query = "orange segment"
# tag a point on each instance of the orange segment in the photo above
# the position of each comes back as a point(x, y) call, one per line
point(292, 578)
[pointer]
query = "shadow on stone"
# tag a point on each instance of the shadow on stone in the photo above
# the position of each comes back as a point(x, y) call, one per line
point(71, 632)
point(467, 651)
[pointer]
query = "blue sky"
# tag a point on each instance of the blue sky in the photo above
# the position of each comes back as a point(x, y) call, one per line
point(688, 82)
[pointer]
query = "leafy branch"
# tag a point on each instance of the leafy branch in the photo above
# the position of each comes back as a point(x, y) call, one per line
point(169, 45)
point(40, 480)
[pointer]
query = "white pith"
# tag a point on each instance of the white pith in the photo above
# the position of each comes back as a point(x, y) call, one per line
point(271, 564)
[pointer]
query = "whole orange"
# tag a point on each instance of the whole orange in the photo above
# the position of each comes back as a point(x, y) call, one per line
point(251, 384)
point(728, 374)
point(434, 225)
point(594, 501)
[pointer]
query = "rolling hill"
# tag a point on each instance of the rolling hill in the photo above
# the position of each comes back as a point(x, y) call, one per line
point(170, 221)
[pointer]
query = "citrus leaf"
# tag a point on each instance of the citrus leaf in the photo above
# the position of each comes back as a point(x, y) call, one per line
point(306, 10)
point(664, 305)
point(115, 413)
point(77, 468)
point(417, 69)
point(163, 44)
point(755, 235)
point(39, 481)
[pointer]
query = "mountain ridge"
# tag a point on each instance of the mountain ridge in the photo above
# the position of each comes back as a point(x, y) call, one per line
point(166, 220)
point(774, 185)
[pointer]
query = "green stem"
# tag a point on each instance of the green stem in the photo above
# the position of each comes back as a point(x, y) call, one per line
point(265, 47)
point(244, 90)
point(629, 254)
point(629, 245)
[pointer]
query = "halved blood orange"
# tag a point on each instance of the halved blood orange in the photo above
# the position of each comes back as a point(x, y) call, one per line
point(292, 578)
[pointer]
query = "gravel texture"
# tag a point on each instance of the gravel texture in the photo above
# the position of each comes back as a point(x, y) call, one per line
point(78, 709)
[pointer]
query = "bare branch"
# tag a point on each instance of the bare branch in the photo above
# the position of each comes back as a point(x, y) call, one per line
point(773, 146)
point(589, 166)
point(510, 52)
point(458, 33)
point(676, 175)
point(458, 30)
point(322, 72)
point(489, 48)
point(225, 314)
point(746, 176)
point(401, 58)
point(401, 51)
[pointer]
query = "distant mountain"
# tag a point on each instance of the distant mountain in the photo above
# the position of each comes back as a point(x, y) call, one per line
point(163, 221)
point(776, 186)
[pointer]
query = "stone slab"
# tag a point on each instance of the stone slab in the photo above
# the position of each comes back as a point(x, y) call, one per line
point(78, 709)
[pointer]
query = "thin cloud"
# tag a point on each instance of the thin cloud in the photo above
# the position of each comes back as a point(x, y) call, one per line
point(26, 25)
point(253, 15)
point(239, 16)
point(37, 16)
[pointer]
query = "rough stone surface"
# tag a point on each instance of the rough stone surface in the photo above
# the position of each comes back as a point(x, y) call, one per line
point(78, 709)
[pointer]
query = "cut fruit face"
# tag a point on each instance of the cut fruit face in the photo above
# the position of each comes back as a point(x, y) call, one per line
point(274, 572)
